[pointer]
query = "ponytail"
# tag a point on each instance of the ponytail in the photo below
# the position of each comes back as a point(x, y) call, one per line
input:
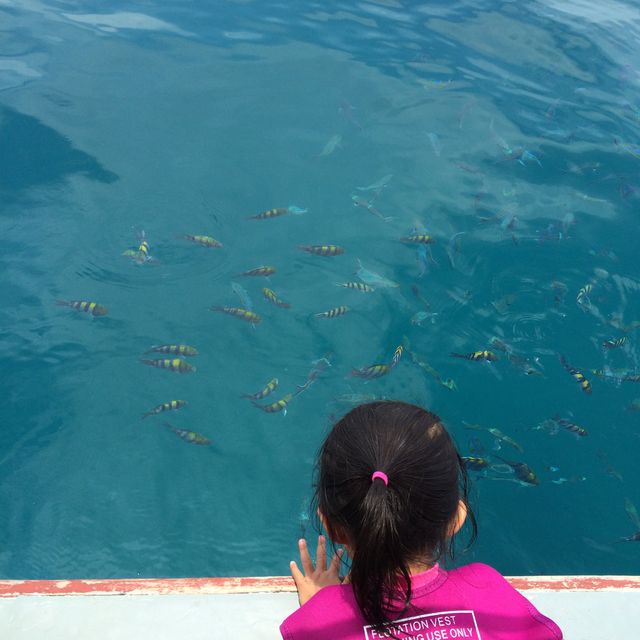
point(379, 571)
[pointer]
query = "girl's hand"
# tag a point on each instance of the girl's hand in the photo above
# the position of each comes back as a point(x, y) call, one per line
point(314, 578)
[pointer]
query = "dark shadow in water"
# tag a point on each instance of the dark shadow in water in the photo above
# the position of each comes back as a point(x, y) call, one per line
point(33, 154)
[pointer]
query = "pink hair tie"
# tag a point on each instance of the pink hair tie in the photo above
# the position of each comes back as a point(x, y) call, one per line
point(381, 475)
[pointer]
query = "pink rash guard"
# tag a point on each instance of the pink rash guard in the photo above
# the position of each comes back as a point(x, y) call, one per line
point(473, 602)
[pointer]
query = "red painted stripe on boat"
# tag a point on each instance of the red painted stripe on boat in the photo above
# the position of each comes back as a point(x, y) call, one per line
point(177, 586)
point(575, 583)
point(148, 586)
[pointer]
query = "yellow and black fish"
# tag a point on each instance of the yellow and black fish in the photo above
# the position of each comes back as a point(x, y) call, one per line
point(374, 371)
point(322, 249)
point(270, 213)
point(172, 405)
point(263, 393)
point(333, 313)
point(474, 463)
point(278, 405)
point(271, 296)
point(578, 376)
point(614, 343)
point(489, 356)
point(192, 437)
point(259, 271)
point(177, 349)
point(143, 250)
point(142, 253)
point(358, 286)
point(173, 364)
point(93, 308)
point(243, 314)
point(418, 239)
point(522, 471)
point(397, 354)
point(205, 241)
point(570, 426)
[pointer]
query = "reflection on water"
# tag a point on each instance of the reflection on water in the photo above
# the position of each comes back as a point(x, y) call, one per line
point(36, 154)
point(474, 162)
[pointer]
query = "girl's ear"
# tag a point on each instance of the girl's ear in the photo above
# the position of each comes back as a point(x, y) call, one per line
point(458, 518)
point(337, 537)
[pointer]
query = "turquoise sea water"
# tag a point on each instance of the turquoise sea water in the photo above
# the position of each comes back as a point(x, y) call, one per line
point(507, 131)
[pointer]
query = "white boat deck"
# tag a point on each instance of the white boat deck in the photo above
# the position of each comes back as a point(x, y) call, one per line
point(585, 607)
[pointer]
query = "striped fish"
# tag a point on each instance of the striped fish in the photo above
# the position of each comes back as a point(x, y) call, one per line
point(271, 296)
point(522, 471)
point(270, 213)
point(278, 405)
point(192, 437)
point(570, 426)
point(421, 238)
point(142, 253)
point(333, 313)
point(205, 241)
point(614, 343)
point(173, 364)
point(578, 376)
point(374, 371)
point(583, 294)
point(474, 463)
point(489, 356)
point(358, 286)
point(143, 250)
point(93, 308)
point(176, 349)
point(243, 314)
point(259, 271)
point(271, 386)
point(397, 354)
point(322, 249)
point(172, 405)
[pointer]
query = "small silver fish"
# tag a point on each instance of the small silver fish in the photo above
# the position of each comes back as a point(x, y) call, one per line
point(334, 142)
point(357, 398)
point(374, 279)
point(379, 185)
point(242, 293)
point(436, 145)
point(420, 317)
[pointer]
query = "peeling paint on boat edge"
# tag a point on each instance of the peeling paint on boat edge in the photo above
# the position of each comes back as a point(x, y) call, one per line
point(275, 584)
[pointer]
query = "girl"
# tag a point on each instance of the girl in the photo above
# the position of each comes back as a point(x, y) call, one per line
point(392, 490)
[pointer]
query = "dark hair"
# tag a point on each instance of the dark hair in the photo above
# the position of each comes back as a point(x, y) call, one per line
point(390, 527)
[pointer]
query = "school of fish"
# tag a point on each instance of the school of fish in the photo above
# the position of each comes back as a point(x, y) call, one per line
point(596, 308)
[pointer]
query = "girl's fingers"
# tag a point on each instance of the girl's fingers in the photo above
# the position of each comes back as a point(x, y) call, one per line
point(321, 554)
point(296, 574)
point(305, 558)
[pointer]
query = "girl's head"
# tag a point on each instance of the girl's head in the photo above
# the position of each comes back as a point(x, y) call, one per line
point(389, 528)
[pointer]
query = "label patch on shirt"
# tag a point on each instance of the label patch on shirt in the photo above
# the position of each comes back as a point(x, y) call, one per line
point(444, 625)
